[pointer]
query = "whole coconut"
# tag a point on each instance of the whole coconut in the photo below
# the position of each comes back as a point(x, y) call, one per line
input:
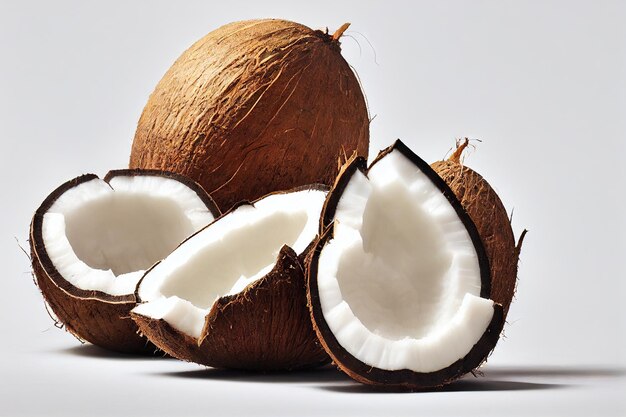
point(254, 107)
point(487, 212)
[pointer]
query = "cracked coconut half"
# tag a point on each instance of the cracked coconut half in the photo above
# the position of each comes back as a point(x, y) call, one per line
point(233, 295)
point(92, 240)
point(399, 282)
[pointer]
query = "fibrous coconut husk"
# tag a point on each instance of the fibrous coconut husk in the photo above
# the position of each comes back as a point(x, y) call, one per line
point(489, 215)
point(255, 107)
point(266, 327)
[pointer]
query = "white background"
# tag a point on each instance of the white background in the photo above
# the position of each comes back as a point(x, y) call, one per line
point(542, 84)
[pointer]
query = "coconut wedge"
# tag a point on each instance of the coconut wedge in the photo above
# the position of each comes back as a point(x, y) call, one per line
point(233, 295)
point(399, 281)
point(92, 240)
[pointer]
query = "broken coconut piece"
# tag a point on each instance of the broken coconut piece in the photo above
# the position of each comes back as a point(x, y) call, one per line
point(399, 281)
point(92, 240)
point(233, 295)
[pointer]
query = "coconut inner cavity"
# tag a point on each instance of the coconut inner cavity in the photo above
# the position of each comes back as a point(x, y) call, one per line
point(126, 232)
point(225, 257)
point(103, 236)
point(394, 248)
point(401, 274)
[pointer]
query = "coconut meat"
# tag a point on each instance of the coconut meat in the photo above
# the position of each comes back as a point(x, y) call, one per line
point(227, 256)
point(399, 283)
point(103, 236)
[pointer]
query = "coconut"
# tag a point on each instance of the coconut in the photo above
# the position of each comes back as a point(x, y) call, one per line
point(233, 295)
point(92, 239)
point(485, 208)
point(254, 107)
point(399, 281)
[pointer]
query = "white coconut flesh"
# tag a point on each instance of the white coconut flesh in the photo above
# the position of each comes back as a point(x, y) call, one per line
point(399, 283)
point(227, 256)
point(103, 236)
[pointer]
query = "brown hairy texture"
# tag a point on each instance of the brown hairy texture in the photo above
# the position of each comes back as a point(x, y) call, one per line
point(485, 208)
point(100, 322)
point(254, 107)
point(93, 316)
point(403, 379)
point(266, 327)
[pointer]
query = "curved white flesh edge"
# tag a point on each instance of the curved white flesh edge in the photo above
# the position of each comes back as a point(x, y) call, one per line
point(399, 283)
point(226, 257)
point(103, 236)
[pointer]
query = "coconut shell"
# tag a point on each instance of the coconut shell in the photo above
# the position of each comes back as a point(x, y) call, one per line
point(103, 323)
point(266, 327)
point(487, 212)
point(92, 316)
point(403, 379)
point(254, 107)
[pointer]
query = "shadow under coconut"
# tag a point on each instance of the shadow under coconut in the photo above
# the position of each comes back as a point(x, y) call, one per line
point(502, 379)
point(458, 386)
point(554, 372)
point(321, 375)
point(92, 351)
point(330, 379)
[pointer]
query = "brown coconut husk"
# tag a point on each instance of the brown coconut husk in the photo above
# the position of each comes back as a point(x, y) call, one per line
point(489, 215)
point(255, 107)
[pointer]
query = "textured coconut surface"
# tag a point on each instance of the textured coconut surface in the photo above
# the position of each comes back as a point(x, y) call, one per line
point(493, 222)
point(254, 107)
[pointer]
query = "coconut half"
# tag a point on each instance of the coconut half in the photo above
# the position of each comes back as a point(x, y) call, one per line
point(399, 281)
point(233, 295)
point(92, 240)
